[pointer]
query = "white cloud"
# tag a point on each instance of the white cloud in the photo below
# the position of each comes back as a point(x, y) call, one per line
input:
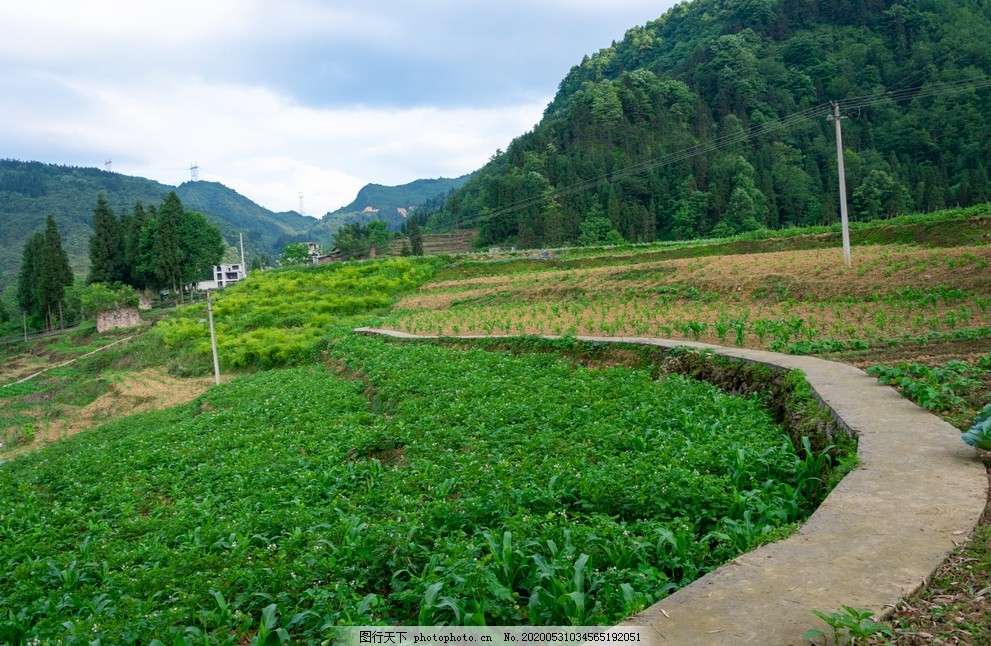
point(270, 148)
point(302, 95)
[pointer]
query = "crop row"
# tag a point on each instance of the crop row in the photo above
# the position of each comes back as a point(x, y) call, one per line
point(941, 388)
point(772, 326)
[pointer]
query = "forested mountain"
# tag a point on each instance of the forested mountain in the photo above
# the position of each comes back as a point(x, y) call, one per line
point(391, 204)
point(264, 231)
point(29, 191)
point(713, 119)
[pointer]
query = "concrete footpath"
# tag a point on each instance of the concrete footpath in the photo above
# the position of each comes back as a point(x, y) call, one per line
point(917, 493)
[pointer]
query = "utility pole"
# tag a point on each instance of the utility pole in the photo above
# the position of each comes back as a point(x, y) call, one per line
point(213, 339)
point(844, 219)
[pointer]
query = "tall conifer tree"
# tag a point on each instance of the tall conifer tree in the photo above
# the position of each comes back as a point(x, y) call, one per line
point(44, 275)
point(167, 250)
point(415, 238)
point(29, 277)
point(106, 247)
point(56, 274)
point(131, 235)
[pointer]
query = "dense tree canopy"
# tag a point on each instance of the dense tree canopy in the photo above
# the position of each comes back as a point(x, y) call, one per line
point(296, 253)
point(713, 120)
point(355, 240)
point(44, 276)
point(106, 245)
point(147, 249)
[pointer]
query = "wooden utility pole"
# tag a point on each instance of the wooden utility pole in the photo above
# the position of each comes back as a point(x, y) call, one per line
point(844, 219)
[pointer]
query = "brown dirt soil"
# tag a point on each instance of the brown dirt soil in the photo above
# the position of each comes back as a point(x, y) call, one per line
point(930, 354)
point(21, 366)
point(814, 274)
point(136, 392)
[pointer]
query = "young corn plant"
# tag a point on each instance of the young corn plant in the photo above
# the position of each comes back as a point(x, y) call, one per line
point(563, 592)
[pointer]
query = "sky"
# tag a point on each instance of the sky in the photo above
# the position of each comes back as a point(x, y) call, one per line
point(277, 98)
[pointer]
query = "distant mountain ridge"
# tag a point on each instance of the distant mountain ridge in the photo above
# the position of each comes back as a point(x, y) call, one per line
point(29, 191)
point(391, 204)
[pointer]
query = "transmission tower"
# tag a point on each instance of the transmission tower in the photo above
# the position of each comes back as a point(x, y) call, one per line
point(301, 203)
point(108, 164)
point(194, 173)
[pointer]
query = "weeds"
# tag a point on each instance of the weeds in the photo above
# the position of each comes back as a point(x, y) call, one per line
point(849, 625)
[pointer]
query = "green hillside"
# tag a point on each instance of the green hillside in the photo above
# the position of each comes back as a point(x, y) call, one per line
point(713, 119)
point(264, 231)
point(29, 191)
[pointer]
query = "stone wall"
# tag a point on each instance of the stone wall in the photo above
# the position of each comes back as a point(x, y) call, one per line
point(112, 319)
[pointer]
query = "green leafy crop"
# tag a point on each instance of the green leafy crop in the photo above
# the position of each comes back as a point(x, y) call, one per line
point(400, 484)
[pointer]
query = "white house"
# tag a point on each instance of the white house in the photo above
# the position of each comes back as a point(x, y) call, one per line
point(224, 275)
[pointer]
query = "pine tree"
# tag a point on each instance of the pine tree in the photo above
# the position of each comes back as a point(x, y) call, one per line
point(131, 235)
point(106, 248)
point(201, 244)
point(29, 277)
point(167, 250)
point(44, 275)
point(415, 238)
point(56, 274)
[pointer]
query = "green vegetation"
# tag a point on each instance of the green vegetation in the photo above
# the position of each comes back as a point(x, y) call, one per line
point(711, 121)
point(956, 389)
point(297, 253)
point(378, 482)
point(849, 625)
point(414, 486)
point(939, 388)
point(165, 247)
point(100, 297)
point(415, 239)
point(43, 278)
point(162, 247)
point(283, 317)
point(979, 435)
point(356, 240)
point(390, 204)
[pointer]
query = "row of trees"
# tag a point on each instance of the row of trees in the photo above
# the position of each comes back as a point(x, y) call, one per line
point(357, 240)
point(151, 248)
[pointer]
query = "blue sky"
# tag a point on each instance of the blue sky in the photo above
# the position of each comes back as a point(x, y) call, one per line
point(277, 98)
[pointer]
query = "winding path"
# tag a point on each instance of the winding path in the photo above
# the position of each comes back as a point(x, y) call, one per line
point(917, 492)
